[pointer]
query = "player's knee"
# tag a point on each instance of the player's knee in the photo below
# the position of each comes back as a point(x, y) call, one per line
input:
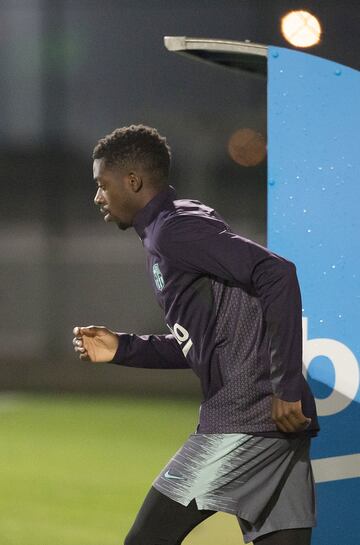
point(131, 539)
point(134, 537)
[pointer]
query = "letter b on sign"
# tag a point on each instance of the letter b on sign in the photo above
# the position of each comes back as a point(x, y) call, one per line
point(345, 366)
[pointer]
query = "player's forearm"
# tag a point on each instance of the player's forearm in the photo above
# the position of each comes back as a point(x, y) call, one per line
point(281, 300)
point(149, 352)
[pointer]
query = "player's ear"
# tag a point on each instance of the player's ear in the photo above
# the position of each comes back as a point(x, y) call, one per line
point(135, 181)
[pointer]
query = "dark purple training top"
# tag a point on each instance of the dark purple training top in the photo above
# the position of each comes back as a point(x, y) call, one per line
point(234, 312)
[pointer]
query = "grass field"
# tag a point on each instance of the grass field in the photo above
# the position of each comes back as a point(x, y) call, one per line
point(74, 469)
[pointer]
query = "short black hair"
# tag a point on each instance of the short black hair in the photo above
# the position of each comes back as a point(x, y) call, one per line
point(136, 144)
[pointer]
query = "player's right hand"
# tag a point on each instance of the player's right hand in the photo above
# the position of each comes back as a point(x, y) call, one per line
point(95, 343)
point(288, 415)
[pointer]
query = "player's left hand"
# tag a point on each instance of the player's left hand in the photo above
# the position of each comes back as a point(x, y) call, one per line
point(288, 415)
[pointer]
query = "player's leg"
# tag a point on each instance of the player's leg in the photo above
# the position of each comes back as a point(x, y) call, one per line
point(296, 536)
point(163, 521)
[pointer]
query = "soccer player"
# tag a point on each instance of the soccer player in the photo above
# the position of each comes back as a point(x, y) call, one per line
point(233, 309)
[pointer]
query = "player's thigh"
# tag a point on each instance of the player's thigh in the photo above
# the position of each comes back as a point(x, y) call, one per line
point(163, 520)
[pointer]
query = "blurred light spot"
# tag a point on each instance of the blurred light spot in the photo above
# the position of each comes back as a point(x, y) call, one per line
point(247, 147)
point(300, 28)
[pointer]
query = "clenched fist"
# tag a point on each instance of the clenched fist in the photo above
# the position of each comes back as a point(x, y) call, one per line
point(288, 416)
point(95, 343)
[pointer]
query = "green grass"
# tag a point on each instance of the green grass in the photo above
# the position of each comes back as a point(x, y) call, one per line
point(74, 470)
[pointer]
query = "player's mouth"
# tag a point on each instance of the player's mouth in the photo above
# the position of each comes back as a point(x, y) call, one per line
point(106, 213)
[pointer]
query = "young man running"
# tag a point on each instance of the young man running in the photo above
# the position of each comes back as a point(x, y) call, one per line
point(233, 309)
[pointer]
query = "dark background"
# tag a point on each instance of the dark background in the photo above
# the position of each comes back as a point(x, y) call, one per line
point(71, 72)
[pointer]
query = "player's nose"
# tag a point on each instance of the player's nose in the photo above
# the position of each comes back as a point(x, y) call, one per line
point(99, 198)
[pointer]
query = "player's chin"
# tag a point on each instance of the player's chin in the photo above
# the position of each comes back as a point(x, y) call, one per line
point(109, 218)
point(123, 226)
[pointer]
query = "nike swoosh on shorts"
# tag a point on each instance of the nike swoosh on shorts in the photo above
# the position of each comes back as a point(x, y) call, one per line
point(169, 476)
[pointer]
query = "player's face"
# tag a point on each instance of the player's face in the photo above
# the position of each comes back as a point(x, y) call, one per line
point(114, 196)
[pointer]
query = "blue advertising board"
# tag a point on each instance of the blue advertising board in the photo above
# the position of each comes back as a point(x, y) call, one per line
point(314, 220)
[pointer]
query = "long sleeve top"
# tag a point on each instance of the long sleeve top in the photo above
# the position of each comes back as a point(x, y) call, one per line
point(233, 309)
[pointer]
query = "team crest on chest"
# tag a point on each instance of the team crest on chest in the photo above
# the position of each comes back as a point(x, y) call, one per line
point(158, 277)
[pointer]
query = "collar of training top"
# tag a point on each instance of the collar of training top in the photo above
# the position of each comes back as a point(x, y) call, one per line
point(162, 201)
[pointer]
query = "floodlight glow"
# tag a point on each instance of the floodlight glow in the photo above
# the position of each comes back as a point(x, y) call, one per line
point(301, 29)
